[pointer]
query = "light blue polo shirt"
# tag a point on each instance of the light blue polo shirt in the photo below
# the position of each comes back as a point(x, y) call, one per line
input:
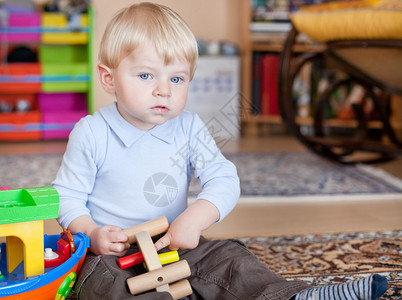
point(123, 176)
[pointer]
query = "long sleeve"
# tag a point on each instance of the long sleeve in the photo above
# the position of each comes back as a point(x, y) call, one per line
point(220, 183)
point(76, 176)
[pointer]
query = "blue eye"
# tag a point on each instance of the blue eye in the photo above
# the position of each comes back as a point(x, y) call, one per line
point(145, 76)
point(176, 79)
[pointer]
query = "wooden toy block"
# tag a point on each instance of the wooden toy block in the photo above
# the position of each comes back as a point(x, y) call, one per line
point(153, 227)
point(161, 277)
point(157, 277)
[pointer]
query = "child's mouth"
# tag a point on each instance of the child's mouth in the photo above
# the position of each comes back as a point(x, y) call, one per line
point(160, 109)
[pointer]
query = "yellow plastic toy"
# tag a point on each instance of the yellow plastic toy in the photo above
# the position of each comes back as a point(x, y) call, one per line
point(22, 212)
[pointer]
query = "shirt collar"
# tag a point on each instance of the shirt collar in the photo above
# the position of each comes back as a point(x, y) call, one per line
point(130, 134)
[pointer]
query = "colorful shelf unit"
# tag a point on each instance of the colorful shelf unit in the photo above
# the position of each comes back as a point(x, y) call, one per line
point(54, 29)
point(59, 111)
point(18, 126)
point(65, 68)
point(58, 88)
point(21, 27)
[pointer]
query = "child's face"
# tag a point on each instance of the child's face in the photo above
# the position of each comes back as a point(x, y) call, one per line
point(149, 92)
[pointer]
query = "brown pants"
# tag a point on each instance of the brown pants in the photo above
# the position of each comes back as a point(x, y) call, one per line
point(220, 269)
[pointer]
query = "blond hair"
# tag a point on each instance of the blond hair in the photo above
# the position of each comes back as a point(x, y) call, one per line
point(142, 22)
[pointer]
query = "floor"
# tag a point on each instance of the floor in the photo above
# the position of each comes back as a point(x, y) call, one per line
point(275, 218)
point(301, 218)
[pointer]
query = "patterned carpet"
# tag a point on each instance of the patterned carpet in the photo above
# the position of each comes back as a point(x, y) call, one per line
point(304, 173)
point(322, 259)
point(334, 258)
point(269, 175)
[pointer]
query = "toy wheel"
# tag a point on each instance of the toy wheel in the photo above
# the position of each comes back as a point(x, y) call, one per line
point(66, 286)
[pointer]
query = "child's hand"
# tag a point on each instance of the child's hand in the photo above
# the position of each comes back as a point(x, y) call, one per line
point(180, 236)
point(185, 230)
point(109, 240)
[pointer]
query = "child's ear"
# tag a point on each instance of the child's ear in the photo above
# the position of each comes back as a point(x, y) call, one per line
point(106, 78)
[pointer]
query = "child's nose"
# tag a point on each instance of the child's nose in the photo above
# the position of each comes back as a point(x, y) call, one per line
point(162, 89)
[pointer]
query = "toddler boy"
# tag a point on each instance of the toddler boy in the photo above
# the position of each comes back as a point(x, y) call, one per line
point(132, 162)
